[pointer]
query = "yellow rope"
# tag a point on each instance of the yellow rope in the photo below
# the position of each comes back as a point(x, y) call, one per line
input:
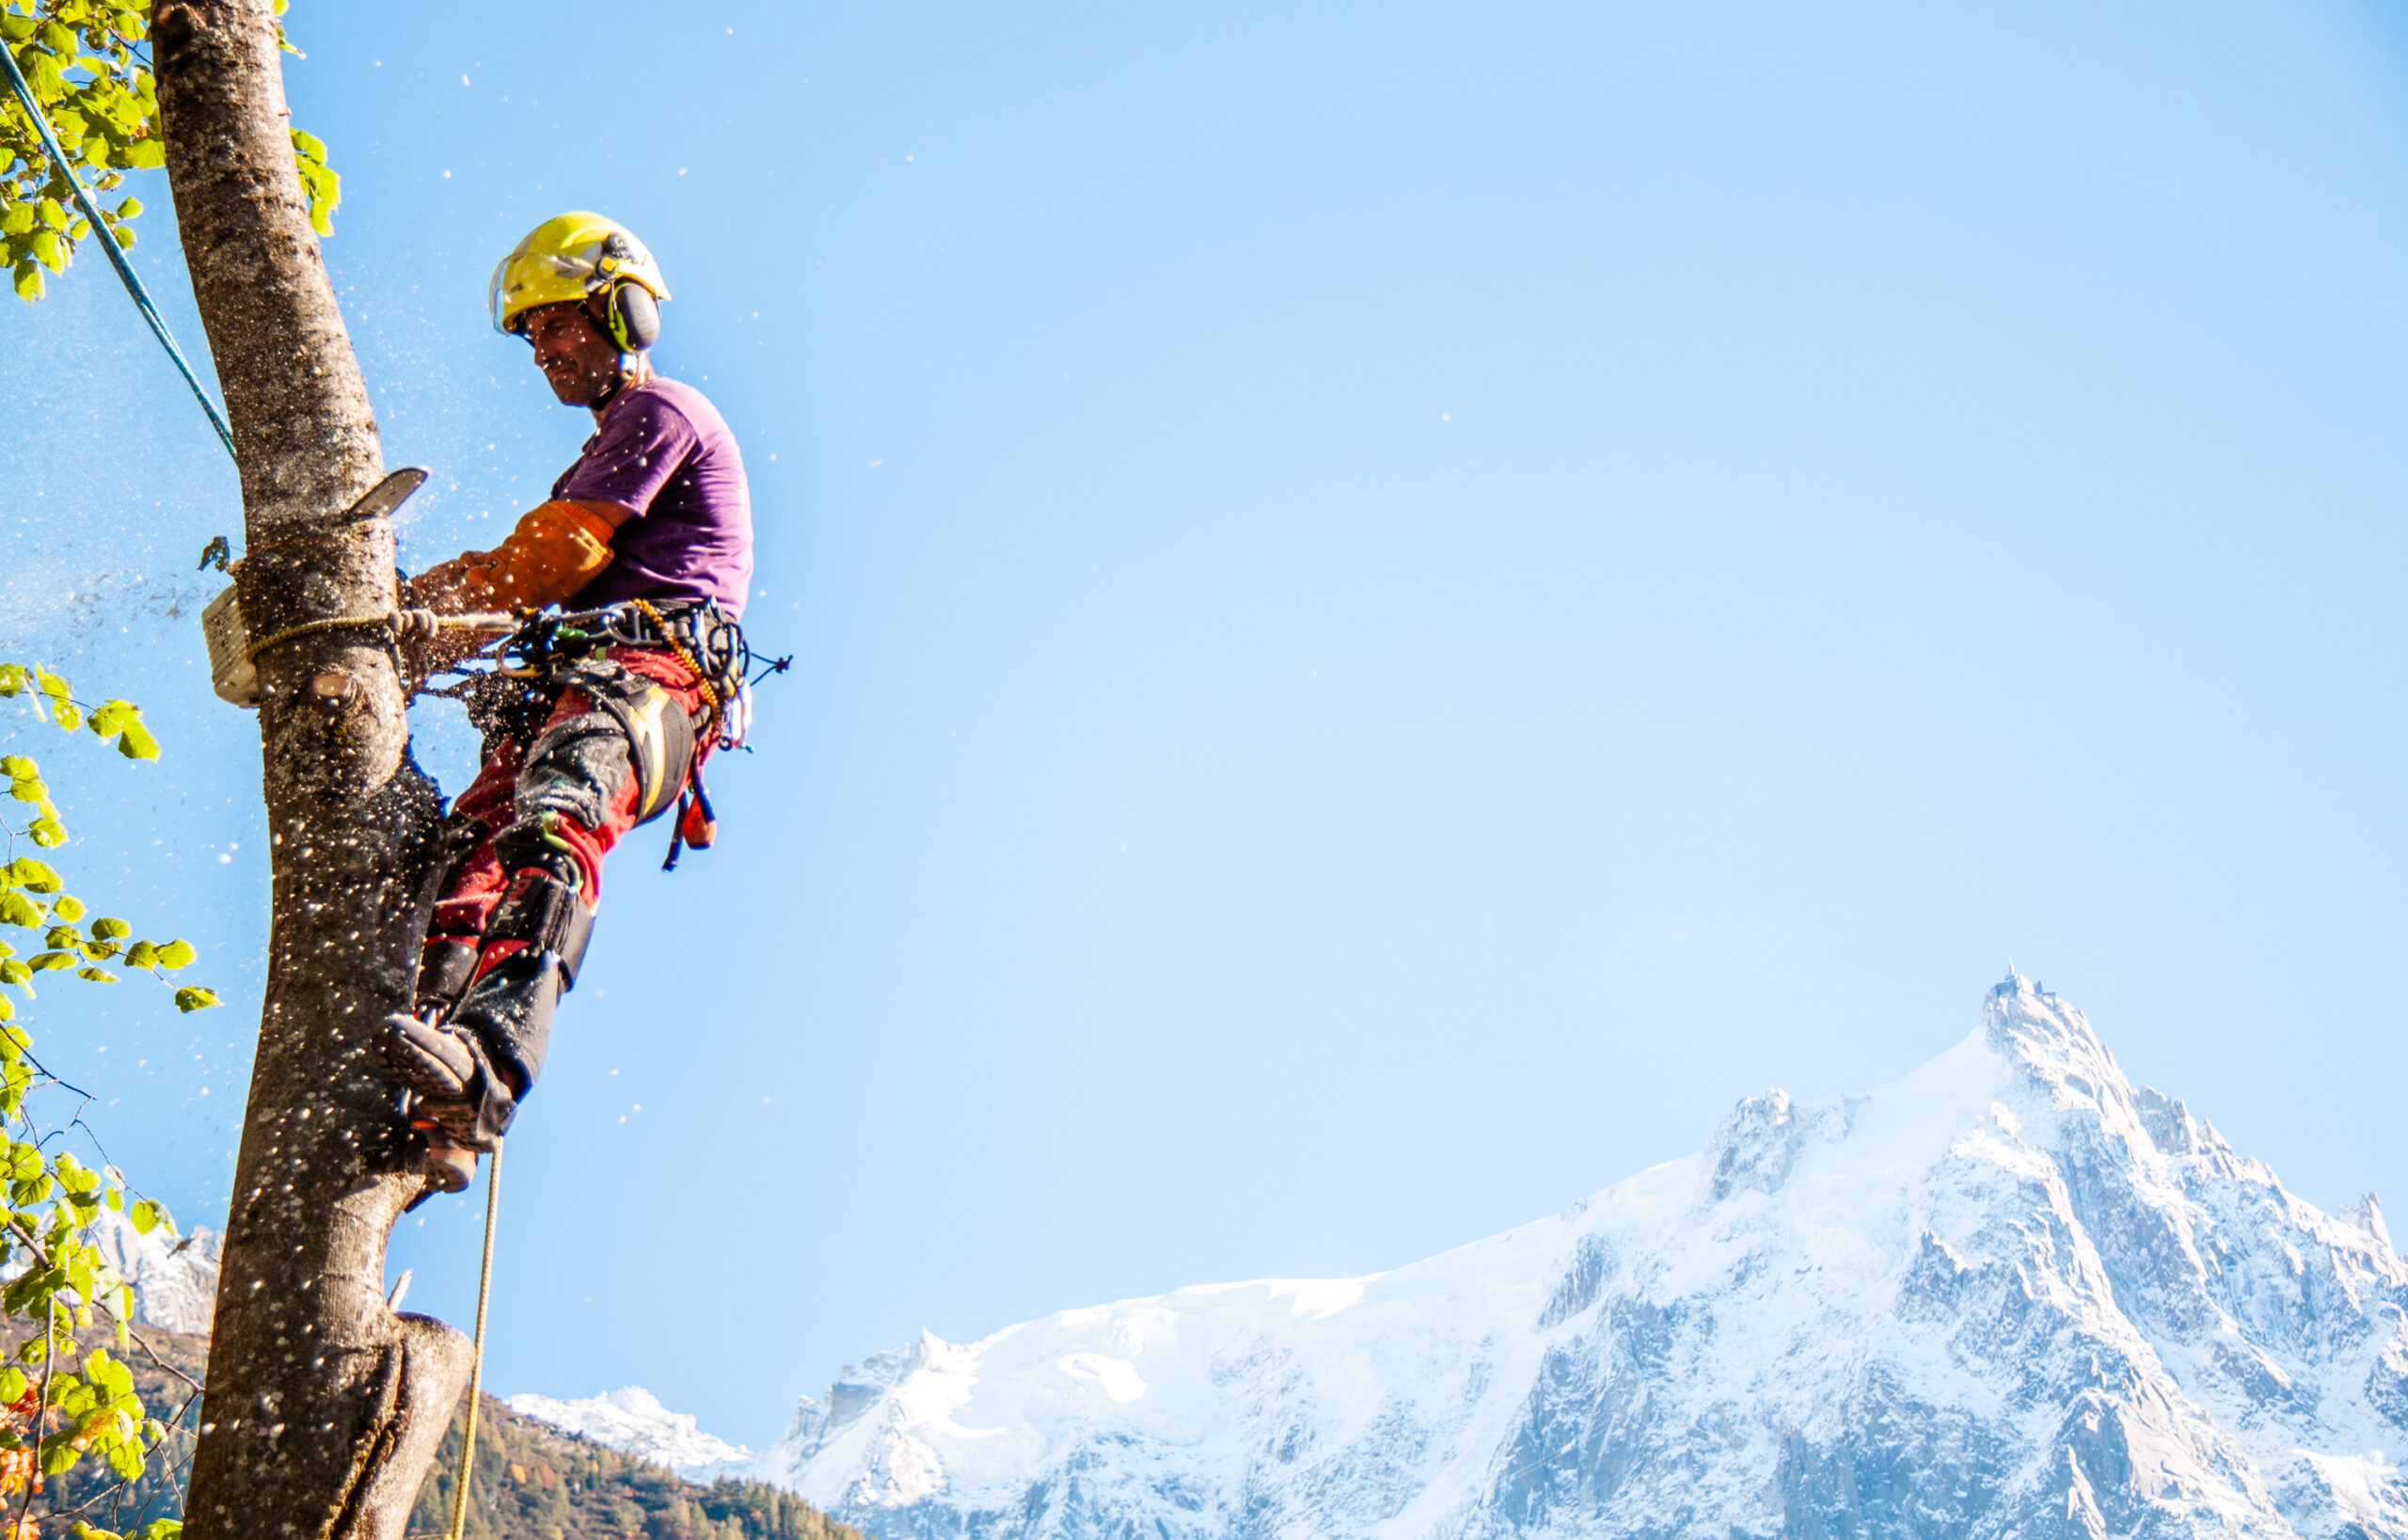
point(683, 656)
point(310, 628)
point(477, 1374)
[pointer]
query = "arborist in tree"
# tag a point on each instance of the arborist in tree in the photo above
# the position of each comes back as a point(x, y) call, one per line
point(606, 721)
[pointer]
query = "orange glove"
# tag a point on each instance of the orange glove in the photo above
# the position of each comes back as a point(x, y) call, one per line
point(556, 549)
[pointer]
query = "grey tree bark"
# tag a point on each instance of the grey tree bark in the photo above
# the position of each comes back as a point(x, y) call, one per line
point(323, 1407)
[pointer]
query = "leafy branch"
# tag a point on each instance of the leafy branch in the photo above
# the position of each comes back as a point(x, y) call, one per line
point(84, 62)
point(64, 1399)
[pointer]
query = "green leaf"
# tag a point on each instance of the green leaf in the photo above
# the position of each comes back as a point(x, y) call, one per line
point(319, 180)
point(61, 935)
point(95, 976)
point(66, 907)
point(51, 213)
point(17, 219)
point(145, 1215)
point(104, 928)
point(146, 154)
point(50, 962)
point(140, 955)
point(16, 909)
point(191, 997)
point(136, 742)
point(47, 831)
point(50, 250)
point(129, 208)
point(14, 972)
point(35, 875)
point(28, 280)
point(177, 953)
point(113, 715)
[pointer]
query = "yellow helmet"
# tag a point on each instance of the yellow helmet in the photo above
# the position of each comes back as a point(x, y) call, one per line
point(583, 256)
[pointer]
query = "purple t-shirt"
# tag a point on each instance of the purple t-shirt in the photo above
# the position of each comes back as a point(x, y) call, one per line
point(664, 450)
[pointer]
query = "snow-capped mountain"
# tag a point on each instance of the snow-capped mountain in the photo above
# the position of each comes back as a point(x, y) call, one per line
point(2008, 1295)
point(174, 1277)
point(634, 1421)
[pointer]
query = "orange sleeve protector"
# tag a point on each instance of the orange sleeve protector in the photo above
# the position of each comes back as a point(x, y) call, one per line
point(556, 549)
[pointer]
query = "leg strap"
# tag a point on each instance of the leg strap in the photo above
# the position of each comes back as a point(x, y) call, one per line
point(444, 970)
point(546, 914)
point(659, 735)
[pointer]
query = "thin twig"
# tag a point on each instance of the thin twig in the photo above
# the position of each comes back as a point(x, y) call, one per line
point(89, 1097)
point(41, 1410)
point(137, 1339)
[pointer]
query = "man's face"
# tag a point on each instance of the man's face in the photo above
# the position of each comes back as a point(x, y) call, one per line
point(578, 360)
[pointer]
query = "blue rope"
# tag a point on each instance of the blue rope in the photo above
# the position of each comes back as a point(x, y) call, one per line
point(107, 239)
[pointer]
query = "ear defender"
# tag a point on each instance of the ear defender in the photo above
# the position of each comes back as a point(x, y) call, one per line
point(635, 317)
point(629, 314)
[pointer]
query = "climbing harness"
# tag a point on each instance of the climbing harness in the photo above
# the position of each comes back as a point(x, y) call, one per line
point(117, 257)
point(476, 1370)
point(556, 649)
point(550, 649)
point(696, 632)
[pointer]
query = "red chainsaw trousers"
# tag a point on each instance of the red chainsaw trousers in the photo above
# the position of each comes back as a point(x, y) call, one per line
point(574, 764)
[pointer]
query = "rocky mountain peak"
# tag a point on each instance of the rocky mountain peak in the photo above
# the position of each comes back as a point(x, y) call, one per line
point(2009, 1294)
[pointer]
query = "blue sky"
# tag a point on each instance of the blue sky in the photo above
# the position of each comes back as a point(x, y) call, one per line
point(1394, 606)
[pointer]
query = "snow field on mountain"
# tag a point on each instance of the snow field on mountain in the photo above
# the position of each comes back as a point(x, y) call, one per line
point(2007, 1295)
point(634, 1421)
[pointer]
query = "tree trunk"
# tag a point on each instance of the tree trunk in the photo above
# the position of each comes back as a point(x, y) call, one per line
point(323, 1407)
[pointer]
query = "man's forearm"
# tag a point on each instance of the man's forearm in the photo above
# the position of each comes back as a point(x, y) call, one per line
point(556, 549)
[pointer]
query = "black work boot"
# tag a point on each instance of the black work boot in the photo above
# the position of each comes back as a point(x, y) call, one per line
point(472, 1050)
point(451, 1093)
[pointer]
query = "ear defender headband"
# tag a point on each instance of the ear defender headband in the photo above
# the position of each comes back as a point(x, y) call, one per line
point(628, 313)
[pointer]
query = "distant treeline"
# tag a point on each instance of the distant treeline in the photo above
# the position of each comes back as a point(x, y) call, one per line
point(533, 1482)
